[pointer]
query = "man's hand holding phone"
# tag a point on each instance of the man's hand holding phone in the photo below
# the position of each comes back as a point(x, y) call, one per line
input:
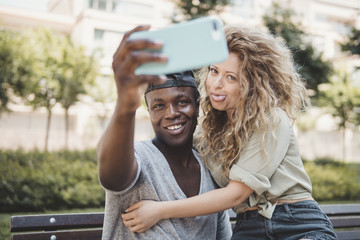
point(144, 56)
point(130, 54)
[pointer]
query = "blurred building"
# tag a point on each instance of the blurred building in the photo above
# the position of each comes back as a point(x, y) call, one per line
point(99, 26)
point(326, 20)
point(95, 24)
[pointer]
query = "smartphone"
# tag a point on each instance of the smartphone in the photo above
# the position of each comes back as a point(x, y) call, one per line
point(189, 45)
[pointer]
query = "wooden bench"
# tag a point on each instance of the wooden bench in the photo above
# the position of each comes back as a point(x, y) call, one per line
point(73, 226)
point(345, 218)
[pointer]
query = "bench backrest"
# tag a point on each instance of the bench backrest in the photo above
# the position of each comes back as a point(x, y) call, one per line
point(88, 225)
point(58, 226)
point(344, 216)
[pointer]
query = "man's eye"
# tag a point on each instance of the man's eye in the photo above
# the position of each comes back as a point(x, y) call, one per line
point(184, 101)
point(157, 106)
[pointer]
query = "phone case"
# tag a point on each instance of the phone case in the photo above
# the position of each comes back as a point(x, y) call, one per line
point(188, 45)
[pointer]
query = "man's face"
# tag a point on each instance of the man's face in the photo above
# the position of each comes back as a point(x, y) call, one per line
point(173, 114)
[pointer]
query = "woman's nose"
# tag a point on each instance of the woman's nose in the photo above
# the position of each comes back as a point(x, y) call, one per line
point(218, 82)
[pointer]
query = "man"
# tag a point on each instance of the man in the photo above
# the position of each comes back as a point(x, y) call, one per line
point(161, 169)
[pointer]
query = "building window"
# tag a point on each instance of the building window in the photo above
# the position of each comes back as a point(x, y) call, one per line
point(320, 17)
point(125, 8)
point(243, 8)
point(98, 35)
point(134, 9)
point(104, 5)
point(105, 43)
point(335, 24)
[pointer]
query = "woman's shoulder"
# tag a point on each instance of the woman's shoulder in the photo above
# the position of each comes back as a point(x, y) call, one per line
point(281, 120)
point(281, 115)
point(280, 112)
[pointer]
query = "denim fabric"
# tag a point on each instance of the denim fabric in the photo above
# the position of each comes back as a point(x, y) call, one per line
point(294, 221)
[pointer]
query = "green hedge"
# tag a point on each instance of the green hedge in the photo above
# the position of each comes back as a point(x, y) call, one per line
point(40, 181)
point(333, 180)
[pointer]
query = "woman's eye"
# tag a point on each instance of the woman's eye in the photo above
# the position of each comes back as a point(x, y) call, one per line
point(232, 78)
point(213, 70)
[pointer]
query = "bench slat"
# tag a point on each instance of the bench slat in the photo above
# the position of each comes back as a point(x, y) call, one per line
point(88, 225)
point(88, 234)
point(348, 235)
point(49, 222)
point(329, 209)
point(341, 209)
point(345, 222)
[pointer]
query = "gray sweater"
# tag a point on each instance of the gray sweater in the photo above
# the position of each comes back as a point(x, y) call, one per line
point(155, 181)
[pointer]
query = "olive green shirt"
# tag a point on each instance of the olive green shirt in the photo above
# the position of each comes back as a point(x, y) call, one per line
point(279, 176)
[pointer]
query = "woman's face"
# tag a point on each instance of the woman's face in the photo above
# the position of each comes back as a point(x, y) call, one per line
point(223, 84)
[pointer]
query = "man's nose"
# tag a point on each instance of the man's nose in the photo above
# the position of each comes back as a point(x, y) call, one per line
point(172, 112)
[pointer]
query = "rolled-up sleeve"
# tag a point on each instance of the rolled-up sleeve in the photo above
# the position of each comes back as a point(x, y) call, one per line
point(254, 168)
point(257, 182)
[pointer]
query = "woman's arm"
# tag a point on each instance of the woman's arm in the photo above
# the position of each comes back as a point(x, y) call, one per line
point(143, 215)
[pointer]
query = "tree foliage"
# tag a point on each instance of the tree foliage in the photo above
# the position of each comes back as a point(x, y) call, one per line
point(191, 9)
point(45, 48)
point(45, 68)
point(341, 98)
point(62, 73)
point(103, 94)
point(352, 44)
point(309, 62)
point(76, 72)
point(15, 68)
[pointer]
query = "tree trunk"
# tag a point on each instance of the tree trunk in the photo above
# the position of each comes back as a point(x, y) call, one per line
point(48, 123)
point(343, 144)
point(66, 127)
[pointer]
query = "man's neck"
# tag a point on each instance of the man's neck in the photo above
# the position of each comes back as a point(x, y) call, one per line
point(185, 168)
point(181, 155)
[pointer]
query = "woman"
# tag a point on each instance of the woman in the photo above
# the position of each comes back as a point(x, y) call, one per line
point(248, 143)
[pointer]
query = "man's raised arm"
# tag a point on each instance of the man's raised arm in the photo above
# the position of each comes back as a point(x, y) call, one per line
point(115, 151)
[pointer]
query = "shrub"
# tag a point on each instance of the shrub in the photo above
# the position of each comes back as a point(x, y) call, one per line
point(332, 180)
point(38, 181)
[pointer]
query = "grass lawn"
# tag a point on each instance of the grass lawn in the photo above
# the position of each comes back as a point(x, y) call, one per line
point(5, 218)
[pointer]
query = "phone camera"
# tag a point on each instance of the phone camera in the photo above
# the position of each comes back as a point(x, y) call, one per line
point(215, 26)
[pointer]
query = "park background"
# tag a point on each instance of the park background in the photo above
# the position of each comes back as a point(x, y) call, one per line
point(57, 91)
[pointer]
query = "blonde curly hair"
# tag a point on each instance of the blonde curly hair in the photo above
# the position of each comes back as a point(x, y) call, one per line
point(269, 80)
